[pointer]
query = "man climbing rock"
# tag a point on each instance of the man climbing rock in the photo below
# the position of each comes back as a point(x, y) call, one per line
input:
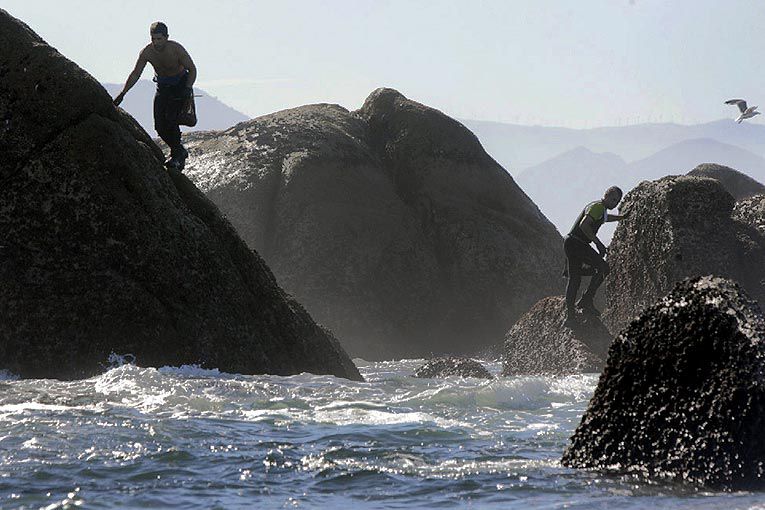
point(175, 73)
point(581, 259)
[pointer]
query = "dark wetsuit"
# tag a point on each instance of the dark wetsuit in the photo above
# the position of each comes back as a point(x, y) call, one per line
point(168, 101)
point(579, 253)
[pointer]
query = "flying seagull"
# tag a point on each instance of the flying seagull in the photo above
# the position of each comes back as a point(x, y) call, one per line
point(746, 113)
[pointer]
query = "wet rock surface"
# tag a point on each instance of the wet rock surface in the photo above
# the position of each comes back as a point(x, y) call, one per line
point(390, 224)
point(739, 185)
point(678, 227)
point(451, 366)
point(540, 343)
point(683, 392)
point(106, 252)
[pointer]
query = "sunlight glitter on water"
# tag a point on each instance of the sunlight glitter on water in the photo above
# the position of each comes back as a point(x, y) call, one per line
point(194, 438)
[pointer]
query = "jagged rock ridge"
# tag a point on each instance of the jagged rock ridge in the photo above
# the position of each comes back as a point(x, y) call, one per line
point(105, 252)
point(390, 224)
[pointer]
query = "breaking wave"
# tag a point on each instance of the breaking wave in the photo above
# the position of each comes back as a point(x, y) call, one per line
point(192, 437)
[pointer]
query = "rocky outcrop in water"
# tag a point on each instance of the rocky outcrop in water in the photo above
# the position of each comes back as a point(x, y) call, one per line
point(390, 224)
point(104, 251)
point(452, 366)
point(677, 227)
point(539, 343)
point(739, 185)
point(683, 392)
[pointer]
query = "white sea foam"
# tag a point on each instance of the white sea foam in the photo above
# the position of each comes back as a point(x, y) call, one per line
point(192, 371)
point(438, 439)
point(35, 406)
point(416, 465)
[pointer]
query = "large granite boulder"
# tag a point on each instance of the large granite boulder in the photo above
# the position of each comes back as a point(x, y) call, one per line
point(104, 251)
point(738, 184)
point(677, 227)
point(390, 224)
point(683, 392)
point(452, 366)
point(539, 343)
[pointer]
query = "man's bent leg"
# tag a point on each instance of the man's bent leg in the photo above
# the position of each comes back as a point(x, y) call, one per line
point(585, 255)
point(588, 297)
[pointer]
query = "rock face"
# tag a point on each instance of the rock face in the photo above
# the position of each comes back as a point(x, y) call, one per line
point(390, 224)
point(749, 217)
point(677, 227)
point(539, 343)
point(751, 212)
point(105, 252)
point(450, 366)
point(683, 393)
point(739, 185)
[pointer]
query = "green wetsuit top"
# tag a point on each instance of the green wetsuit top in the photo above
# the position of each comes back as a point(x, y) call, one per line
point(595, 210)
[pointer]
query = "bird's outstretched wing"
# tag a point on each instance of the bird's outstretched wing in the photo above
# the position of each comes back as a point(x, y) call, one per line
point(738, 102)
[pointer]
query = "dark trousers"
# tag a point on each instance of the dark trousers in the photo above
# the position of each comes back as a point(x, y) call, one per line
point(578, 255)
point(168, 102)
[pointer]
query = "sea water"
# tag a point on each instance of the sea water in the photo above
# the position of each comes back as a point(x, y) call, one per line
point(187, 437)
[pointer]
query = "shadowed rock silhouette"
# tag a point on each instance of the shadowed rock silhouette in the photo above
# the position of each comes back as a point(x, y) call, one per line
point(106, 252)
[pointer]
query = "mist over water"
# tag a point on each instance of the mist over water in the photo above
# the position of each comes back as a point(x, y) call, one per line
point(193, 438)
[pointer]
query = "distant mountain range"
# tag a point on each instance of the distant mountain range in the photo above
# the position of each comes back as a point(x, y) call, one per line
point(685, 156)
point(560, 169)
point(212, 113)
point(519, 147)
point(562, 185)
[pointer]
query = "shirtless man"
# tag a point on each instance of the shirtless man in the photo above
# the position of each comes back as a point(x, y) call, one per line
point(175, 74)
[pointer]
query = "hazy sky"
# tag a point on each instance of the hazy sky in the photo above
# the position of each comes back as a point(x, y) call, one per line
point(576, 63)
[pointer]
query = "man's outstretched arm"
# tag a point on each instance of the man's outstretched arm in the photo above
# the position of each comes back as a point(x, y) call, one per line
point(135, 75)
point(616, 217)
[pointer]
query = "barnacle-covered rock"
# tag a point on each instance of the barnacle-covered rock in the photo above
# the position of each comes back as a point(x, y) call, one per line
point(683, 392)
